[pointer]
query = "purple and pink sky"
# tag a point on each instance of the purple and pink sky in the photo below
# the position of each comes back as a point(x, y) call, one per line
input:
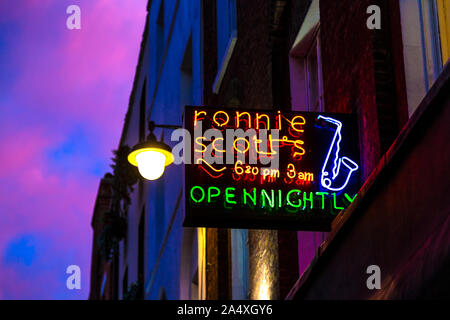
point(63, 98)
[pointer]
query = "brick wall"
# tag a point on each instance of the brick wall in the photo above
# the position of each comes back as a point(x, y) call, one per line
point(348, 71)
point(249, 74)
point(363, 73)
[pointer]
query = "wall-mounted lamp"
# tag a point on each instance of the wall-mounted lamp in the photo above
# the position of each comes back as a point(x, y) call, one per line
point(152, 156)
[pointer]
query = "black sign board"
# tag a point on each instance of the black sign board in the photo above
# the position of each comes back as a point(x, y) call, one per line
point(268, 169)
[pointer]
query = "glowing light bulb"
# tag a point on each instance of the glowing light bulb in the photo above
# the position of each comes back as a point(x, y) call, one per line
point(151, 164)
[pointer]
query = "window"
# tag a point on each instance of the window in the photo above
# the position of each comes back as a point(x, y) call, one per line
point(194, 286)
point(305, 67)
point(103, 286)
point(142, 112)
point(431, 48)
point(159, 39)
point(125, 282)
point(141, 254)
point(308, 242)
point(187, 82)
point(314, 77)
point(189, 265)
point(443, 8)
point(306, 78)
point(425, 33)
point(239, 264)
point(160, 211)
point(226, 37)
point(226, 26)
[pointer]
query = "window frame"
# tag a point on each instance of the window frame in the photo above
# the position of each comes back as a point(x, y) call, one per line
point(232, 39)
point(315, 46)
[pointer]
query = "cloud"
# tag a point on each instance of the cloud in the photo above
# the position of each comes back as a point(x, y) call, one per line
point(28, 275)
point(21, 250)
point(64, 98)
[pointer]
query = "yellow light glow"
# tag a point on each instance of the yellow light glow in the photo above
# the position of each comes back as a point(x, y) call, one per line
point(263, 290)
point(151, 161)
point(132, 157)
point(151, 164)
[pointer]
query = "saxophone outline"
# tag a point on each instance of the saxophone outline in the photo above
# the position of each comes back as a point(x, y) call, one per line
point(349, 165)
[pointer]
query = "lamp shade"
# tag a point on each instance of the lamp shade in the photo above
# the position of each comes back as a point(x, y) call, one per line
point(151, 157)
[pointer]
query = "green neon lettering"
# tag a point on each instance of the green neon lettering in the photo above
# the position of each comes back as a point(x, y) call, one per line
point(265, 195)
point(211, 195)
point(280, 200)
point(192, 194)
point(252, 199)
point(350, 199)
point(323, 194)
point(310, 200)
point(334, 202)
point(288, 199)
point(229, 196)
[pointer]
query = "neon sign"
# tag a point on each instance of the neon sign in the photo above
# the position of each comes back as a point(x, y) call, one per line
point(351, 166)
point(269, 169)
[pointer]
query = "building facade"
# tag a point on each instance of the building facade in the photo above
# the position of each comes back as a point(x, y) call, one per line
point(309, 55)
